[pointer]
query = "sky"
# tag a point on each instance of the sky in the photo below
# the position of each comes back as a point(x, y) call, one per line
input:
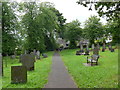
point(71, 10)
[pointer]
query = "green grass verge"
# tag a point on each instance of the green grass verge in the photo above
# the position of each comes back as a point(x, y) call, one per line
point(36, 79)
point(105, 75)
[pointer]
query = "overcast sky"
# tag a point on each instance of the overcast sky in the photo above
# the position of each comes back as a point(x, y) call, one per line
point(71, 10)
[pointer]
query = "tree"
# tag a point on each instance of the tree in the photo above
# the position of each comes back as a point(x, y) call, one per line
point(73, 32)
point(93, 29)
point(110, 10)
point(9, 29)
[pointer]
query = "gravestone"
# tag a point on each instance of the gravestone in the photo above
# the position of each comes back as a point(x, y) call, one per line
point(38, 55)
point(25, 51)
point(34, 51)
point(44, 55)
point(13, 56)
point(103, 47)
point(96, 51)
point(93, 46)
point(18, 74)
point(98, 46)
point(110, 47)
point(112, 50)
point(28, 60)
point(20, 57)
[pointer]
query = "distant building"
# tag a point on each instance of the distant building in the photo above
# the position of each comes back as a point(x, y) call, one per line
point(62, 42)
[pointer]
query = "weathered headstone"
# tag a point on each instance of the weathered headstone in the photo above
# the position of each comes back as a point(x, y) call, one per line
point(110, 47)
point(18, 74)
point(96, 51)
point(20, 57)
point(13, 56)
point(38, 55)
point(98, 46)
point(25, 51)
point(34, 51)
point(93, 46)
point(103, 47)
point(44, 55)
point(28, 61)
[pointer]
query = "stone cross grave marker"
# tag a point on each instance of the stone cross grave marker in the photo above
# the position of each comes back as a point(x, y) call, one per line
point(28, 61)
point(18, 74)
point(38, 54)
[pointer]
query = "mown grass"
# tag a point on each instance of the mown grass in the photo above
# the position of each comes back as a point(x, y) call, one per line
point(36, 79)
point(105, 75)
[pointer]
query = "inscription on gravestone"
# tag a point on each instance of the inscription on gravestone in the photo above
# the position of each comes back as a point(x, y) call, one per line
point(28, 61)
point(18, 74)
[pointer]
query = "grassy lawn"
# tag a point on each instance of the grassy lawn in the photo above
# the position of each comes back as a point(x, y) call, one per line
point(105, 75)
point(36, 79)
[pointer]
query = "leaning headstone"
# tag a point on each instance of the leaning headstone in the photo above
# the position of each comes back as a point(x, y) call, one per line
point(38, 55)
point(28, 61)
point(96, 51)
point(18, 74)
point(44, 55)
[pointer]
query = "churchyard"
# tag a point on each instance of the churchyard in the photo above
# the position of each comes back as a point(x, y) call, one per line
point(35, 79)
point(41, 48)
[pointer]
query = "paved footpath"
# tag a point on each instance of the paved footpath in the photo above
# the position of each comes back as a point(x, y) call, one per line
point(59, 77)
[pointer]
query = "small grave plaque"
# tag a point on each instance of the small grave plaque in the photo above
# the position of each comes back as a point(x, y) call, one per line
point(18, 74)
